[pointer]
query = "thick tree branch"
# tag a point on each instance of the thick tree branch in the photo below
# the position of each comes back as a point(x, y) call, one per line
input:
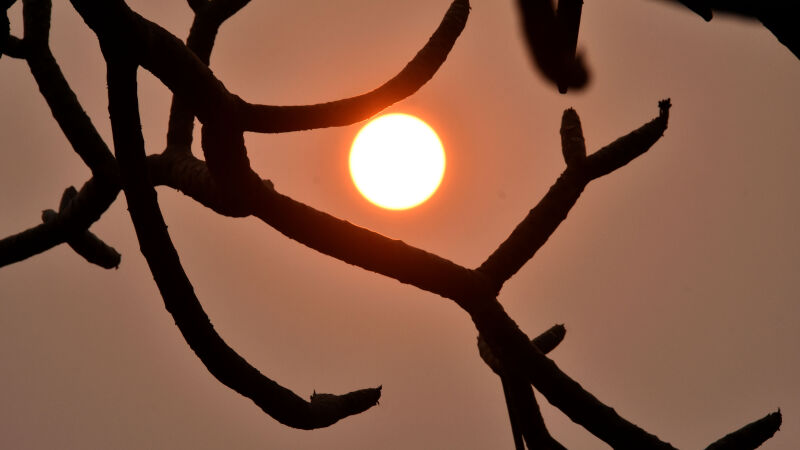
point(516, 355)
point(628, 147)
point(523, 411)
point(344, 112)
point(540, 223)
point(86, 208)
point(568, 19)
point(185, 74)
point(222, 361)
point(86, 244)
point(70, 116)
point(777, 16)
point(552, 37)
point(430, 272)
point(196, 5)
point(5, 27)
point(207, 20)
point(751, 436)
point(407, 264)
point(13, 47)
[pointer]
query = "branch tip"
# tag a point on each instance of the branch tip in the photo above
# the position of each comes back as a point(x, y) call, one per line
point(573, 146)
point(663, 107)
point(752, 435)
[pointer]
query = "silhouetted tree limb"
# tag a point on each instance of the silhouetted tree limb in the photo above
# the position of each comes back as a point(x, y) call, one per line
point(227, 184)
point(5, 25)
point(185, 74)
point(778, 16)
point(552, 36)
point(516, 354)
point(750, 436)
point(224, 363)
point(196, 5)
point(209, 16)
point(86, 244)
point(467, 288)
point(74, 123)
point(529, 236)
point(86, 208)
point(13, 47)
point(545, 342)
point(523, 411)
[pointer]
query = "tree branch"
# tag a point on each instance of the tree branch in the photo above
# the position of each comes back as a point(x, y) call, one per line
point(517, 355)
point(70, 116)
point(207, 20)
point(196, 5)
point(86, 244)
point(568, 19)
point(86, 208)
point(185, 74)
point(776, 15)
point(540, 223)
point(275, 119)
point(552, 37)
point(523, 411)
point(750, 436)
point(162, 258)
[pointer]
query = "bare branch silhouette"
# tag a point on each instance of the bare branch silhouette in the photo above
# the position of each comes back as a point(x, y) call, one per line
point(226, 184)
point(186, 75)
point(751, 436)
point(552, 36)
point(776, 15)
point(162, 258)
point(86, 244)
point(209, 16)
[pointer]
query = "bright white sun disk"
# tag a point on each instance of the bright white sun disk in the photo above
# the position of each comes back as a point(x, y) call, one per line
point(397, 161)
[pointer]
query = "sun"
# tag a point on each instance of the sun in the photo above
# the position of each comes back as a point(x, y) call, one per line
point(397, 161)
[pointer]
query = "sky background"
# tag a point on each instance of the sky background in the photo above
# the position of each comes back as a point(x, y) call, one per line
point(676, 276)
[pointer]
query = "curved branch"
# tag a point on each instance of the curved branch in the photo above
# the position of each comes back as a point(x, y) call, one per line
point(277, 119)
point(516, 355)
point(775, 15)
point(185, 74)
point(540, 223)
point(207, 20)
point(222, 361)
point(628, 147)
point(70, 116)
point(14, 47)
point(552, 36)
point(5, 29)
point(197, 4)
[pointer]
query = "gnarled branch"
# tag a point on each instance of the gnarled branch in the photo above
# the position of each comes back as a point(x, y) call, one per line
point(209, 16)
point(552, 36)
point(224, 363)
point(86, 244)
point(187, 76)
point(529, 236)
point(70, 116)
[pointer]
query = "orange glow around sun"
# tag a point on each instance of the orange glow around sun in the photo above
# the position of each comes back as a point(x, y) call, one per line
point(397, 161)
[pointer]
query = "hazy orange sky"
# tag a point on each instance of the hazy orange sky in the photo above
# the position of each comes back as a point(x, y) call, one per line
point(675, 276)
